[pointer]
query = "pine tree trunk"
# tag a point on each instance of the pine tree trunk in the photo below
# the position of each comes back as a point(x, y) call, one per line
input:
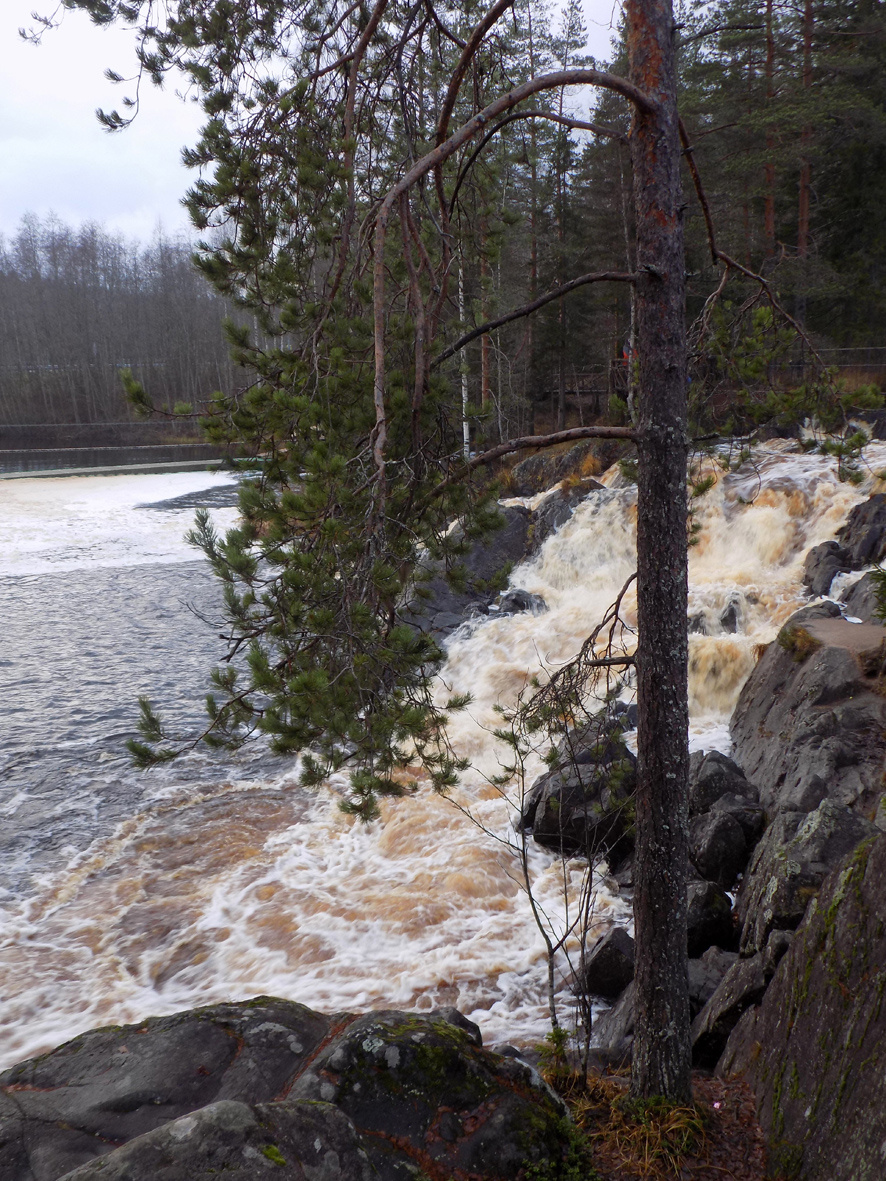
point(661, 1061)
point(769, 167)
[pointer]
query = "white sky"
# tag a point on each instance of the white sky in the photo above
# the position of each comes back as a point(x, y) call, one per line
point(55, 157)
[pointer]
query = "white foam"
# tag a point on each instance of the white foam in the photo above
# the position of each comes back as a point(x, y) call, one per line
point(74, 522)
point(213, 894)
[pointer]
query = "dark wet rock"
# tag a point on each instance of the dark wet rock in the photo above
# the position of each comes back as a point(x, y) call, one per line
point(613, 1033)
point(796, 853)
point(556, 509)
point(623, 872)
point(814, 1051)
point(270, 1088)
point(809, 723)
point(709, 918)
point(219, 496)
point(860, 601)
point(742, 986)
point(541, 471)
point(440, 607)
point(705, 975)
point(286, 1140)
point(717, 847)
point(697, 624)
point(864, 534)
point(609, 967)
point(822, 563)
point(713, 775)
point(419, 1089)
point(749, 815)
point(614, 1030)
point(584, 804)
point(513, 602)
point(730, 617)
point(110, 1085)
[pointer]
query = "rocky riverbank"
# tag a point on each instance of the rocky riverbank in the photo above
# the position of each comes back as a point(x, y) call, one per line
point(271, 1088)
point(785, 984)
point(787, 993)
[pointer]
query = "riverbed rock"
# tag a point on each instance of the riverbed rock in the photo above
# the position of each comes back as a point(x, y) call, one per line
point(287, 1141)
point(860, 601)
point(609, 967)
point(584, 804)
point(422, 1094)
point(717, 847)
point(713, 775)
point(440, 607)
point(797, 852)
point(749, 815)
point(110, 1085)
point(864, 534)
point(814, 1051)
point(709, 918)
point(271, 1088)
point(541, 471)
point(810, 723)
point(556, 509)
point(516, 602)
point(613, 1032)
point(822, 563)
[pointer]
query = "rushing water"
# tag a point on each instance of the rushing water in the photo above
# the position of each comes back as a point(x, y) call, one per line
point(214, 878)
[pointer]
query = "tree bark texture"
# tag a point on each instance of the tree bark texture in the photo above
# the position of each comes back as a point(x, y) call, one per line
point(661, 1059)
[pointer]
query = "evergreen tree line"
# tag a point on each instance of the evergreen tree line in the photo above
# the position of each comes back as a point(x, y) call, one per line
point(77, 305)
point(785, 106)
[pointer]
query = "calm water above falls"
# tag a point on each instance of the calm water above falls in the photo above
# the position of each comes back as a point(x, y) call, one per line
point(129, 894)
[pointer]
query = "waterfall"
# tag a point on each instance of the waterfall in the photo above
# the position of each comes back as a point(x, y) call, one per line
point(211, 880)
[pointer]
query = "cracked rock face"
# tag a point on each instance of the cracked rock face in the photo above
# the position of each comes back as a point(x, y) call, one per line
point(809, 723)
point(814, 1050)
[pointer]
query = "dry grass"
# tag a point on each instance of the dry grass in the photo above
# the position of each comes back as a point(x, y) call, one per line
point(715, 1137)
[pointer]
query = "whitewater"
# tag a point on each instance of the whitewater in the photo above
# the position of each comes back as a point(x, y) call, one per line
point(126, 894)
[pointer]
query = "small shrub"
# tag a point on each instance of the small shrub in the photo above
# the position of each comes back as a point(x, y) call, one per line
point(798, 641)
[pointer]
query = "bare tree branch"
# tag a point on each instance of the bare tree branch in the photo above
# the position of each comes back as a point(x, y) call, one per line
point(528, 308)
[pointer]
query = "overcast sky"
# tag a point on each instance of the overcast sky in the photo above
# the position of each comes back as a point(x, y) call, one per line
point(55, 157)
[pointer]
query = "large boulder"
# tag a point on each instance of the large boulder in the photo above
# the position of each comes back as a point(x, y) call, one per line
point(822, 563)
point(270, 1088)
point(742, 986)
point(541, 471)
point(424, 1095)
point(810, 723)
point(286, 1141)
point(712, 776)
point(440, 605)
point(860, 601)
point(584, 803)
point(708, 919)
point(608, 968)
point(864, 534)
point(717, 847)
point(814, 1050)
point(111, 1085)
point(613, 1032)
point(791, 862)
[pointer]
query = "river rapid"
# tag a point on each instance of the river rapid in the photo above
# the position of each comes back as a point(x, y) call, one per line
point(126, 894)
